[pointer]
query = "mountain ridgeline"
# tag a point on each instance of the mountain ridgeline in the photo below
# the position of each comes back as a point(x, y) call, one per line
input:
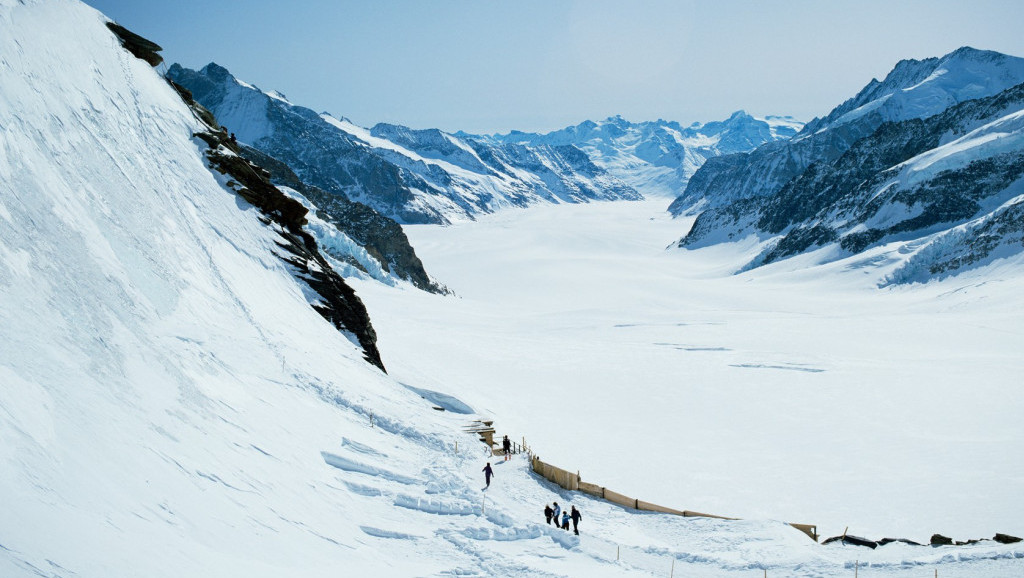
point(659, 157)
point(411, 176)
point(931, 158)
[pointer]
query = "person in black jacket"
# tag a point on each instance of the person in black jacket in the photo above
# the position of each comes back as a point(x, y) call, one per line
point(576, 517)
point(507, 446)
point(488, 472)
point(548, 512)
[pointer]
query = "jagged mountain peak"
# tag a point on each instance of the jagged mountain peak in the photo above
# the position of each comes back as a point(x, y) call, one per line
point(410, 175)
point(921, 88)
point(928, 157)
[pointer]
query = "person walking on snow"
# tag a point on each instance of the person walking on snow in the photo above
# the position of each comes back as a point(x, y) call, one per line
point(548, 512)
point(576, 517)
point(555, 513)
point(507, 446)
point(565, 521)
point(488, 472)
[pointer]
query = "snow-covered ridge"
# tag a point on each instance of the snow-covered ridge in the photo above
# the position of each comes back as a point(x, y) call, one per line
point(659, 157)
point(170, 405)
point(922, 88)
point(914, 89)
point(943, 191)
point(413, 176)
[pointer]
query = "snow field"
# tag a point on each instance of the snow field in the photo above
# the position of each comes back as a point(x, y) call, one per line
point(795, 393)
point(170, 405)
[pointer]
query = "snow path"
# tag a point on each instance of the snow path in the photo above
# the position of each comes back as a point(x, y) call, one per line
point(790, 393)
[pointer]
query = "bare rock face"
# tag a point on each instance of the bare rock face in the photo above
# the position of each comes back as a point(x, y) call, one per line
point(137, 45)
point(340, 305)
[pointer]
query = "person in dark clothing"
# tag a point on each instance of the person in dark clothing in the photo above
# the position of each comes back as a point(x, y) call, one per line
point(565, 521)
point(488, 472)
point(507, 446)
point(576, 517)
point(548, 512)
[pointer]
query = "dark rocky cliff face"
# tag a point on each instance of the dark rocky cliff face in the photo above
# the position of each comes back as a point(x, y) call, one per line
point(382, 237)
point(340, 305)
point(833, 201)
point(854, 185)
point(411, 176)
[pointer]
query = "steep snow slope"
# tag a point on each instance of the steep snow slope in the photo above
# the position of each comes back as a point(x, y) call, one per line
point(170, 405)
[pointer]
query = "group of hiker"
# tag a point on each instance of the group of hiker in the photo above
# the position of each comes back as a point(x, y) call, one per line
point(551, 511)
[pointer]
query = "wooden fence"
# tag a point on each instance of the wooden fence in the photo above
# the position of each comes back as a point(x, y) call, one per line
point(572, 482)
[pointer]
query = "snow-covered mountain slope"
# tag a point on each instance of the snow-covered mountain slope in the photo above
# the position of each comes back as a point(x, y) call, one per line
point(658, 158)
point(914, 89)
point(786, 392)
point(941, 189)
point(171, 405)
point(413, 176)
point(361, 241)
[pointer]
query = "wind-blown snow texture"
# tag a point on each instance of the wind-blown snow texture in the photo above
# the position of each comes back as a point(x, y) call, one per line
point(928, 158)
point(170, 405)
point(413, 176)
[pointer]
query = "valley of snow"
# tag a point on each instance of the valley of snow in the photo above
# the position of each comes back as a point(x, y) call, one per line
point(793, 392)
point(171, 405)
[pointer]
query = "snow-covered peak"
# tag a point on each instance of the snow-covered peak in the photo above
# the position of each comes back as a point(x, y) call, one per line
point(921, 88)
point(658, 157)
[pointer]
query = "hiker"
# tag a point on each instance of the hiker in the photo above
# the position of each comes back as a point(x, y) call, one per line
point(576, 517)
point(488, 472)
point(556, 512)
point(565, 521)
point(548, 512)
point(507, 446)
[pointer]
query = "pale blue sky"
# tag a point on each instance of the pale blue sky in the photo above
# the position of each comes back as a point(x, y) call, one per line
point(539, 65)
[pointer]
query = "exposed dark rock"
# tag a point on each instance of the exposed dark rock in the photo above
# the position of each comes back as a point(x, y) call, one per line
point(852, 540)
point(885, 541)
point(940, 540)
point(411, 188)
point(833, 198)
point(137, 45)
point(1006, 539)
point(340, 305)
point(382, 237)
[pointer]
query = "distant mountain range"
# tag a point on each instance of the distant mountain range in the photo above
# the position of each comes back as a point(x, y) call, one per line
point(411, 176)
point(930, 158)
point(659, 157)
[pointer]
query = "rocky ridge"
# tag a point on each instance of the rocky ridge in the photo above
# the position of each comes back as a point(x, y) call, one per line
point(946, 186)
point(411, 176)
